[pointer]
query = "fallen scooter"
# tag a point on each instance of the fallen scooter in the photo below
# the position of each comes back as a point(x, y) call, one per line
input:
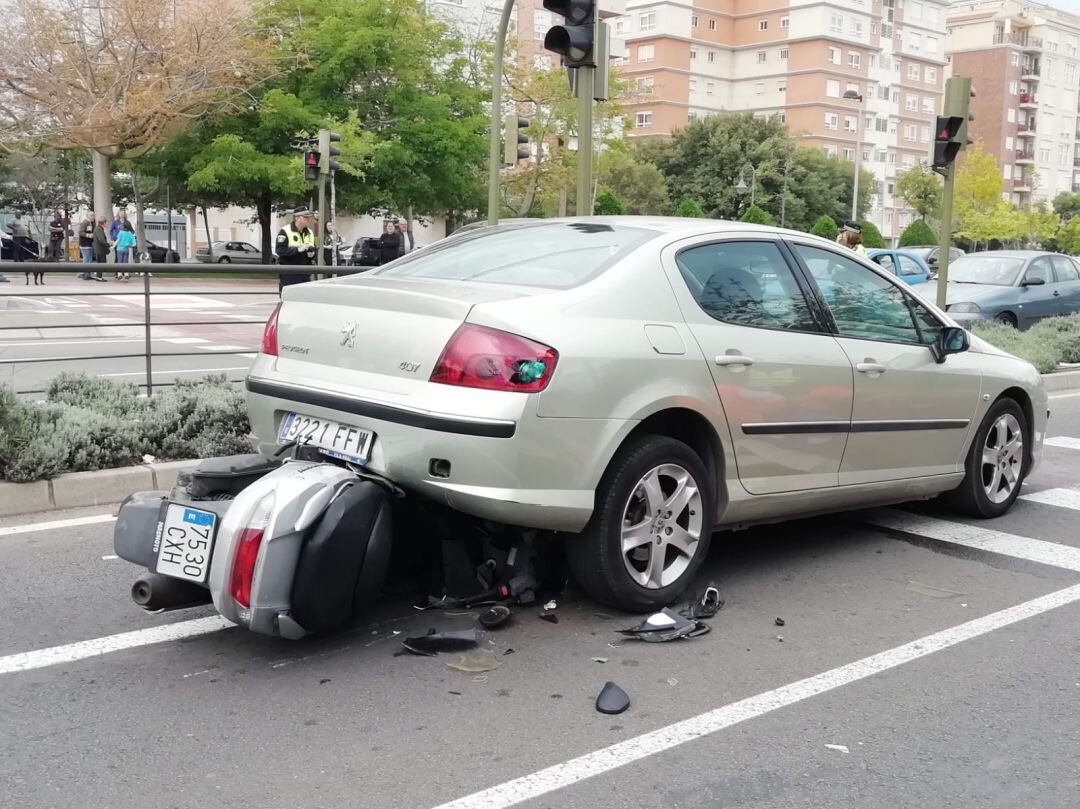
point(283, 547)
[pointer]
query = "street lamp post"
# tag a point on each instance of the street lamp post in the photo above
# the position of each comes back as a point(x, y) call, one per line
point(741, 188)
point(854, 96)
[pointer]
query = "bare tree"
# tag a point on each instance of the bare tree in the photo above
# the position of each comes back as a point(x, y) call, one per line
point(118, 77)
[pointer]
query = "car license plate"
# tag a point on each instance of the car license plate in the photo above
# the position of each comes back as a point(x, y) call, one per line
point(329, 437)
point(184, 542)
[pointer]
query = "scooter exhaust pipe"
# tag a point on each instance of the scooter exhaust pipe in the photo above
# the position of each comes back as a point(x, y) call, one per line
point(155, 592)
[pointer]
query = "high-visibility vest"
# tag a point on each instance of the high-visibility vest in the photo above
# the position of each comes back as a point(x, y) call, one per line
point(298, 239)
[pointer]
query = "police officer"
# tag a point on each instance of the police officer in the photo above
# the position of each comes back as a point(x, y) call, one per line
point(296, 245)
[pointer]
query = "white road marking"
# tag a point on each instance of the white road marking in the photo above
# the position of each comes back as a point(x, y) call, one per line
point(1063, 395)
point(1065, 498)
point(184, 371)
point(87, 341)
point(225, 348)
point(249, 356)
point(972, 536)
point(618, 755)
point(1063, 441)
point(109, 557)
point(184, 341)
point(41, 658)
point(28, 528)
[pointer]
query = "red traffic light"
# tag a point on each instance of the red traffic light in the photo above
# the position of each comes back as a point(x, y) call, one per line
point(311, 158)
point(948, 126)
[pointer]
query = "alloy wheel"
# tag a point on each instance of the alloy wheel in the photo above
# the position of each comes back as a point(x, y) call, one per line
point(661, 526)
point(1002, 458)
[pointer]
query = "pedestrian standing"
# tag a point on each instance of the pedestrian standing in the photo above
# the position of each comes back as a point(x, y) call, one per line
point(102, 245)
point(57, 232)
point(117, 224)
point(20, 239)
point(295, 246)
point(125, 246)
point(408, 243)
point(86, 242)
point(851, 237)
point(389, 244)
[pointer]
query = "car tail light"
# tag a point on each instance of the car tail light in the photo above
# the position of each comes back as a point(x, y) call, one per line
point(269, 338)
point(479, 357)
point(247, 552)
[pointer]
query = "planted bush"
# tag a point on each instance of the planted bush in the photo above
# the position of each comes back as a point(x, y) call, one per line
point(1044, 345)
point(89, 423)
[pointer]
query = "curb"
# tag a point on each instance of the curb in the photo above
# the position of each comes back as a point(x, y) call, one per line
point(1062, 380)
point(75, 489)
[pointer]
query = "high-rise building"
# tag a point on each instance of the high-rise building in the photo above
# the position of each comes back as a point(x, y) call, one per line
point(1024, 62)
point(798, 59)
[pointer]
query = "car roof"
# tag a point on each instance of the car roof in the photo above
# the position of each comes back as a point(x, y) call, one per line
point(1011, 253)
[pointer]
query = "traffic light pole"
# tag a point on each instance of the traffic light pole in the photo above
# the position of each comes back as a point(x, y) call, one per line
point(319, 259)
point(494, 159)
point(586, 79)
point(945, 239)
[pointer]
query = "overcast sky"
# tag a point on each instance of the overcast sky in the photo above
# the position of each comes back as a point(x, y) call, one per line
point(1066, 5)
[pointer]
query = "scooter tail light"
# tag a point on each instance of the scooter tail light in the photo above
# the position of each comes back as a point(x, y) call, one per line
point(246, 555)
point(269, 338)
point(490, 359)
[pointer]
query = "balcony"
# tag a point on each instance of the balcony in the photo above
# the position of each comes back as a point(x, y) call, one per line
point(1026, 130)
point(1025, 158)
point(1027, 43)
point(1022, 186)
point(1028, 101)
point(1030, 72)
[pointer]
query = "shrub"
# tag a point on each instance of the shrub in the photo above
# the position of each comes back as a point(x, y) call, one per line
point(918, 232)
point(871, 236)
point(757, 216)
point(1046, 344)
point(607, 204)
point(690, 208)
point(825, 227)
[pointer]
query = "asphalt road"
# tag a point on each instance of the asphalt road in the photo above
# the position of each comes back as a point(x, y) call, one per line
point(940, 672)
point(72, 323)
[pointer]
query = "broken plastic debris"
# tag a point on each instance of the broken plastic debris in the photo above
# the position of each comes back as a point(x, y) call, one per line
point(672, 681)
point(600, 660)
point(706, 605)
point(841, 748)
point(148, 459)
point(551, 605)
point(494, 616)
point(508, 652)
point(550, 617)
point(474, 662)
point(780, 638)
point(434, 642)
point(664, 626)
point(612, 699)
point(779, 622)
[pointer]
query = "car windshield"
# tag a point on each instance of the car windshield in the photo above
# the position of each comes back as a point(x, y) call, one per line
point(985, 269)
point(557, 255)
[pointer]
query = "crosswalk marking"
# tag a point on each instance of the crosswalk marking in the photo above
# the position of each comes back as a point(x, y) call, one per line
point(973, 536)
point(1063, 441)
point(1065, 498)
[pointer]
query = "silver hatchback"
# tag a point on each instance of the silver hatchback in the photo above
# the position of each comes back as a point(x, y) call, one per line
point(641, 382)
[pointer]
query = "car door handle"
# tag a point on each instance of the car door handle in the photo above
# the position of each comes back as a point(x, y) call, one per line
point(1056, 293)
point(868, 366)
point(733, 359)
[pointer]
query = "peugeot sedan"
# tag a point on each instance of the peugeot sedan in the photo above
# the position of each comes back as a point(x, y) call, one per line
point(638, 383)
point(1016, 287)
point(229, 253)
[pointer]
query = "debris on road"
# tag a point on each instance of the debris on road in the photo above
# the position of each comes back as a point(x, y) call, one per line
point(779, 622)
point(666, 625)
point(705, 606)
point(434, 642)
point(612, 699)
point(600, 660)
point(550, 617)
point(673, 681)
point(494, 616)
point(841, 748)
point(475, 662)
point(551, 605)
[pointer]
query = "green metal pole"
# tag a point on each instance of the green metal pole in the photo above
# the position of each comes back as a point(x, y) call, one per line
point(319, 260)
point(494, 159)
point(945, 239)
point(586, 79)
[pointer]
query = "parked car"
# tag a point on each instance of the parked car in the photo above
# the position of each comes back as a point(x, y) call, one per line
point(161, 255)
point(7, 248)
point(365, 252)
point(642, 382)
point(906, 266)
point(929, 254)
point(229, 253)
point(1017, 287)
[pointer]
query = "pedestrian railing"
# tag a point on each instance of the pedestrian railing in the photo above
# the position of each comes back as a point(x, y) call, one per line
point(147, 292)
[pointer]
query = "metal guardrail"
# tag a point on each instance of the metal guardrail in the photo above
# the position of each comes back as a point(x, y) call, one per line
point(147, 293)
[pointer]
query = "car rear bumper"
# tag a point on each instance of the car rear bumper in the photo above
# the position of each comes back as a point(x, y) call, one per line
point(516, 468)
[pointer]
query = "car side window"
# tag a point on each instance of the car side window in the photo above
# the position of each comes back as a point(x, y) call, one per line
point(746, 284)
point(909, 266)
point(864, 305)
point(1065, 269)
point(886, 261)
point(1039, 268)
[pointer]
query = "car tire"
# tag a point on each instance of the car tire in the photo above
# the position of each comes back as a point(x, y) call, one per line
point(996, 463)
point(636, 500)
point(1006, 319)
point(224, 260)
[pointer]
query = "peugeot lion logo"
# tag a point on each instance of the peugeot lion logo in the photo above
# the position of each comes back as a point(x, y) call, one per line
point(348, 334)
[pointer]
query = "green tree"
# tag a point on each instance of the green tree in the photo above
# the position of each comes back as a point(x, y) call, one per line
point(637, 182)
point(1067, 205)
point(757, 216)
point(820, 185)
point(1040, 224)
point(917, 233)
point(689, 208)
point(976, 200)
point(825, 227)
point(920, 189)
point(1068, 236)
point(871, 236)
point(607, 204)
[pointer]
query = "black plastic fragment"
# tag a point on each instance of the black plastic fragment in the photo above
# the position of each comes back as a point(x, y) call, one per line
point(434, 642)
point(494, 616)
point(779, 622)
point(612, 699)
point(550, 617)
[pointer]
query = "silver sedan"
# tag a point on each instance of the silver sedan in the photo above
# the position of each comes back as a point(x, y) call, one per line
point(230, 253)
point(643, 382)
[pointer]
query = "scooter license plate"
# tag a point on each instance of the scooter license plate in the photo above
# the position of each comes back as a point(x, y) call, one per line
point(185, 542)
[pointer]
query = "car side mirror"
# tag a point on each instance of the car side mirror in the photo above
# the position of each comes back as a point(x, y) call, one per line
point(1033, 282)
point(932, 261)
point(951, 340)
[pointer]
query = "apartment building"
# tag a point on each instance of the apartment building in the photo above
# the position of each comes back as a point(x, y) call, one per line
point(1024, 63)
point(796, 59)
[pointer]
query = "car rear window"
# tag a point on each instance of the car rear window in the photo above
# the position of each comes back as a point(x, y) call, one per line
point(556, 255)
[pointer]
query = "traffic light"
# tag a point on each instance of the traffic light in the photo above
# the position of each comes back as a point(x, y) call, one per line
point(947, 142)
point(515, 138)
point(576, 40)
point(326, 165)
point(311, 166)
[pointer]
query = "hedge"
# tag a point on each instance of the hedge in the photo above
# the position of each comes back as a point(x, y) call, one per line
point(1045, 345)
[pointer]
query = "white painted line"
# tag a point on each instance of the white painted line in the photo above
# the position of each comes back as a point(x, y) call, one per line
point(618, 755)
point(184, 341)
point(183, 371)
point(1065, 498)
point(87, 341)
point(1063, 441)
point(28, 528)
point(55, 655)
point(224, 348)
point(109, 557)
point(1063, 395)
point(972, 536)
point(249, 356)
